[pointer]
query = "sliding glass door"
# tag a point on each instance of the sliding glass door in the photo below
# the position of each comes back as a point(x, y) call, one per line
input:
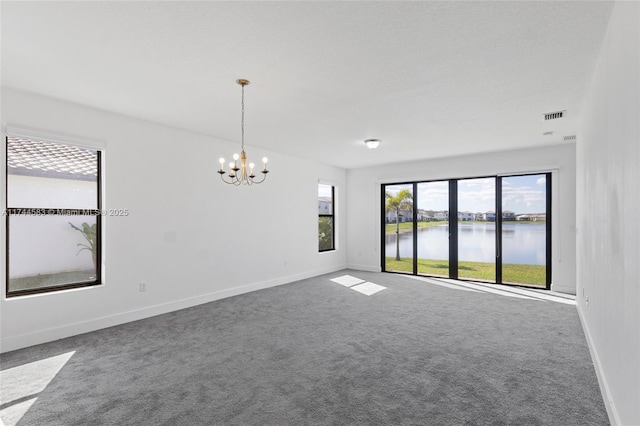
point(433, 228)
point(525, 240)
point(477, 229)
point(500, 231)
point(399, 228)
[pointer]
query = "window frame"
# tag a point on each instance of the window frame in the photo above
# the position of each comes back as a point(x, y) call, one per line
point(45, 211)
point(333, 219)
point(453, 227)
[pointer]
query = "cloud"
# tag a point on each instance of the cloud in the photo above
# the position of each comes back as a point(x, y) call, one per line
point(542, 180)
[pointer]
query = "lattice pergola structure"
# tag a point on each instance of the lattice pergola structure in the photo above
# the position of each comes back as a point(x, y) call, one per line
point(48, 159)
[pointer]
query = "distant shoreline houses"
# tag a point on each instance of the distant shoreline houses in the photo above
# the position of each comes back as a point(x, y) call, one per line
point(465, 216)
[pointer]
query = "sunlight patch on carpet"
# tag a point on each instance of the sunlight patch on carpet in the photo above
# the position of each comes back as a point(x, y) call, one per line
point(494, 290)
point(368, 288)
point(442, 284)
point(20, 386)
point(505, 290)
point(347, 280)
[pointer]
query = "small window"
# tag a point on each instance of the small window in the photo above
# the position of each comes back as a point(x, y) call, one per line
point(53, 217)
point(326, 221)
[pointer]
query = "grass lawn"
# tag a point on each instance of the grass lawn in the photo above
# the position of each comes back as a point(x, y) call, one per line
point(511, 273)
point(390, 228)
point(524, 274)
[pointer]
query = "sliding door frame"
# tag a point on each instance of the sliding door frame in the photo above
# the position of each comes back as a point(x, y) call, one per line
point(453, 227)
point(498, 248)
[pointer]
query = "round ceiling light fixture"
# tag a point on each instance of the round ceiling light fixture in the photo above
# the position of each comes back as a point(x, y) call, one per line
point(372, 143)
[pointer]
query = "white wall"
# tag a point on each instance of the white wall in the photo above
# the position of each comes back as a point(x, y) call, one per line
point(608, 200)
point(364, 204)
point(189, 236)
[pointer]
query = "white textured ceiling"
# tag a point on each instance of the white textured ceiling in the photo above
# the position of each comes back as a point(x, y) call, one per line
point(430, 79)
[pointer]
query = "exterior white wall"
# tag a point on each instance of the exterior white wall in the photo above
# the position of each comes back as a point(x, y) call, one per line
point(608, 200)
point(190, 237)
point(52, 245)
point(364, 203)
point(34, 191)
point(47, 245)
point(324, 207)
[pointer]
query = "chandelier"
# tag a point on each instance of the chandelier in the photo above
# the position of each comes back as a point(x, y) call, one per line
point(239, 172)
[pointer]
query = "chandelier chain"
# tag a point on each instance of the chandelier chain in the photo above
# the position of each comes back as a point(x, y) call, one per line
point(242, 119)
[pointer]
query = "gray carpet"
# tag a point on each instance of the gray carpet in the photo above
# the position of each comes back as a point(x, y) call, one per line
point(317, 353)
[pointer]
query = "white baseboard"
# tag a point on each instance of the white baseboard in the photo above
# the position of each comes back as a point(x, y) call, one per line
point(563, 289)
point(602, 380)
point(50, 334)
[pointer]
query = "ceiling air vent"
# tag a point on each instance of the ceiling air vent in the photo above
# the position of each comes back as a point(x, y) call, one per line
point(554, 115)
point(570, 138)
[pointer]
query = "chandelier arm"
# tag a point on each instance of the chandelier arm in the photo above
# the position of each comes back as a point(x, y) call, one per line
point(264, 176)
point(229, 182)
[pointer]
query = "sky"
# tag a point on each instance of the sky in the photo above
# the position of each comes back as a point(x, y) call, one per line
point(520, 194)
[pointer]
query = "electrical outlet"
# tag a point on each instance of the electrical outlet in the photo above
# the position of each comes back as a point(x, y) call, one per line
point(143, 286)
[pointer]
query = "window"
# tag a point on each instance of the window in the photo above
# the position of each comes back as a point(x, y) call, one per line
point(53, 217)
point(326, 221)
point(493, 229)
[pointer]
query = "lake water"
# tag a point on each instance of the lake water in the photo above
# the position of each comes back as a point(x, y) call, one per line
point(521, 243)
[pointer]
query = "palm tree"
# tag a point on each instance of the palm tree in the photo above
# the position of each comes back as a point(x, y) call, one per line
point(403, 200)
point(89, 232)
